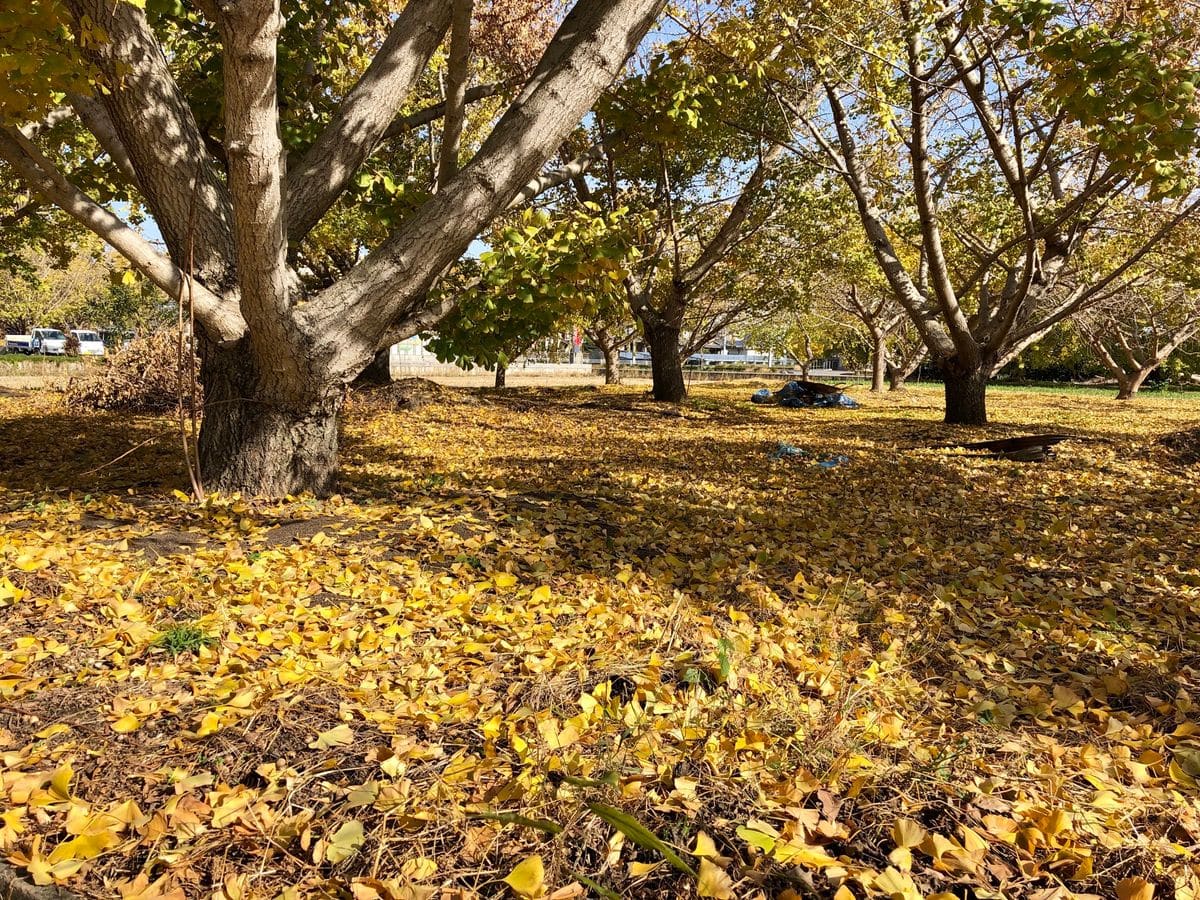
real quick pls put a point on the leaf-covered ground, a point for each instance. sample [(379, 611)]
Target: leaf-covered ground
[(561, 638)]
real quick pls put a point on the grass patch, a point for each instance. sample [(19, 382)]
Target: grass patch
[(183, 638)]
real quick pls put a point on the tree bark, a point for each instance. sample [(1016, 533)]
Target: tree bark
[(666, 370), (966, 402), (612, 365), (254, 443), (501, 376), (878, 362), (1129, 385)]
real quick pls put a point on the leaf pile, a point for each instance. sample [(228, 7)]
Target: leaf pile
[(561, 648)]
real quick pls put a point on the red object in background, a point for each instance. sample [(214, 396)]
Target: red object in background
[(578, 339)]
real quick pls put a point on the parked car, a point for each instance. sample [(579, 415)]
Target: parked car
[(49, 341), (90, 343)]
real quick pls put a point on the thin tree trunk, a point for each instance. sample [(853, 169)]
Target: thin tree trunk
[(253, 443), (878, 362), (501, 376), (612, 365), (966, 401), (666, 369)]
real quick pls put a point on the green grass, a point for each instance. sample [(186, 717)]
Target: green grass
[(14, 358), (183, 638)]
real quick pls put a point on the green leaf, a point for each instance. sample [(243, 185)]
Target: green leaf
[(511, 818), (640, 835)]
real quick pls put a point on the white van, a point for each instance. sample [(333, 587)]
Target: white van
[(90, 343)]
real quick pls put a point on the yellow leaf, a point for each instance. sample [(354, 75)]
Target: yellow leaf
[(937, 846), (339, 736), (60, 782), (1134, 889), (541, 594), (28, 563), (345, 841), (86, 846), (638, 869), (52, 730), (796, 853), (901, 858), (210, 724), (897, 885), (705, 846), (127, 723), (713, 881), (528, 879), (907, 833), (504, 580)]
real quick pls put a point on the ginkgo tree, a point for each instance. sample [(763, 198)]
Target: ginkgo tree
[(682, 144), (1005, 132), (542, 275), (235, 181)]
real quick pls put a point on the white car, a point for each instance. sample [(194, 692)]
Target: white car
[(49, 341), (90, 343)]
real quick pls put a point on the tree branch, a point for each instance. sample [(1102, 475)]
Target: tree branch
[(405, 124), (721, 243), (220, 318), (585, 55), (249, 33), (456, 88), (96, 119), (316, 180), (157, 129)]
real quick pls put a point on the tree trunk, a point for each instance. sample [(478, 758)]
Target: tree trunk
[(612, 365), (255, 444), (896, 378), (666, 370), (501, 375), (1129, 385), (878, 362), (379, 371), (965, 395)]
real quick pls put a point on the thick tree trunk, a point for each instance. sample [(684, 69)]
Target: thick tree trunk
[(878, 362), (666, 370), (1129, 385), (896, 378), (965, 395), (501, 375), (253, 443), (612, 365), (379, 371)]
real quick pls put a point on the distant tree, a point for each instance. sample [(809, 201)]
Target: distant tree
[(611, 330), (984, 146), (1134, 333), (44, 291), (541, 276)]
